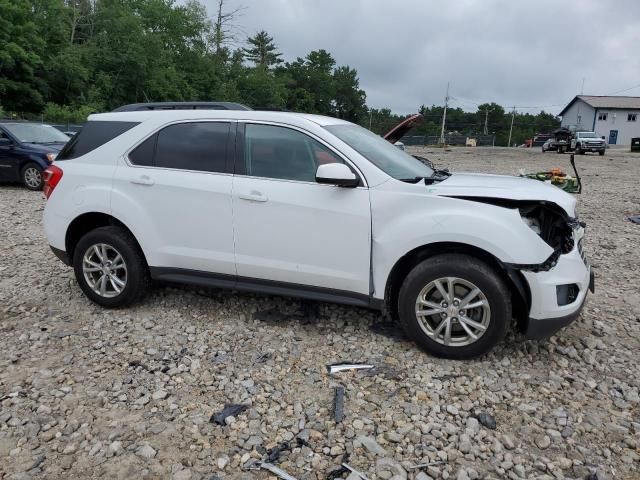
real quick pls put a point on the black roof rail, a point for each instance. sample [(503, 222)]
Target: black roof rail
[(139, 107)]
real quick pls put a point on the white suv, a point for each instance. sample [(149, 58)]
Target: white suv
[(318, 208)]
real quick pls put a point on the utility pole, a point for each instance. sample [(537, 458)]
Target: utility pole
[(513, 114), (486, 120), (444, 115), (370, 117)]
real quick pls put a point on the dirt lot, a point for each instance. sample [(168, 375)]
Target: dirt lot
[(89, 393)]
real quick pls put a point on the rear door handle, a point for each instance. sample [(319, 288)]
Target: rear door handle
[(253, 196), (143, 180)]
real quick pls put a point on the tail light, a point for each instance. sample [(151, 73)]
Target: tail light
[(52, 176)]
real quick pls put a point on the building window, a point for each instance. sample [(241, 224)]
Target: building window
[(632, 117), (602, 117), (579, 119)]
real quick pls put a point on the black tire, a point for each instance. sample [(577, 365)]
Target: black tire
[(137, 272), (31, 176), (463, 267), (579, 150), (601, 153)]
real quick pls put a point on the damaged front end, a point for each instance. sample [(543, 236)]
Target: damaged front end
[(553, 226)]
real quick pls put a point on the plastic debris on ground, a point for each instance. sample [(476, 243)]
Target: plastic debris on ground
[(634, 219), (341, 367), (487, 420), (556, 177), (232, 410), (273, 469), (338, 404)]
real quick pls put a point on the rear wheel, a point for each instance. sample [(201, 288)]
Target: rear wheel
[(454, 306), (32, 176), (110, 267)]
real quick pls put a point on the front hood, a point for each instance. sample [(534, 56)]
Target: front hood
[(503, 187), (47, 148)]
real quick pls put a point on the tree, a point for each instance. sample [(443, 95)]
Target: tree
[(225, 28), (349, 100), (21, 48), (262, 52)]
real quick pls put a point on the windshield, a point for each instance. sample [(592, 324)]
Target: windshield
[(36, 133), (382, 154), (587, 135)]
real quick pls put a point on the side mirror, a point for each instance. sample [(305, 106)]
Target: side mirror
[(5, 142), (336, 174)]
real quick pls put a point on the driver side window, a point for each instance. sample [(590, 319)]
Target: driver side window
[(283, 153)]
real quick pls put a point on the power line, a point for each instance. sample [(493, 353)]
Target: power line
[(624, 90)]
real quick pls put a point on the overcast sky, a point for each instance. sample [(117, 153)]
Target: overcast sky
[(513, 52)]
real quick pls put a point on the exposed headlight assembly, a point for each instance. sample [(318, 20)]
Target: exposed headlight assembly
[(551, 224)]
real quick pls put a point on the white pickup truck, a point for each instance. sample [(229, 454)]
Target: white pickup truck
[(583, 142)]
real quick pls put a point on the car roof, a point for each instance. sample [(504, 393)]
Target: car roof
[(173, 115)]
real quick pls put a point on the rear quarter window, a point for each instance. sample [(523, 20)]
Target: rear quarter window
[(93, 135)]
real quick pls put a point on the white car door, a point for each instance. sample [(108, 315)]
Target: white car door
[(175, 190), (289, 229)]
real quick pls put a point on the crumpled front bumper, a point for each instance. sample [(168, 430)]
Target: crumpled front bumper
[(547, 315)]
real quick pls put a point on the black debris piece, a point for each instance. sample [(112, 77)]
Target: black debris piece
[(38, 461), (230, 410), (635, 219), (487, 420), (263, 357), (337, 473), (272, 315), (218, 358), (138, 363), (273, 454), (302, 442), (338, 404)]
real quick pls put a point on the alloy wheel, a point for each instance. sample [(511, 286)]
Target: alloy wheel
[(453, 311), (32, 177), (105, 270)]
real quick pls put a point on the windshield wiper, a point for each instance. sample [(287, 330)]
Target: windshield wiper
[(436, 176), (412, 179)]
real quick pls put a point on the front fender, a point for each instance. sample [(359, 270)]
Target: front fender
[(404, 221)]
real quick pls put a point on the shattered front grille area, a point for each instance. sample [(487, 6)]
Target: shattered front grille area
[(582, 252)]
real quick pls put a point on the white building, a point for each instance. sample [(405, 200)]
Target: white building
[(617, 119)]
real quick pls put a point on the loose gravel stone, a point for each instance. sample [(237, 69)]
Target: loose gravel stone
[(87, 392)]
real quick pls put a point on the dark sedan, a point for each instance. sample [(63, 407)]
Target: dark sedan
[(26, 149)]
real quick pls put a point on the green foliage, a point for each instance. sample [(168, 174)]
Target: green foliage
[(68, 58), (262, 51), (67, 114)]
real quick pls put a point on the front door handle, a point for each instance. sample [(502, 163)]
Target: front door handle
[(253, 196), (143, 180)]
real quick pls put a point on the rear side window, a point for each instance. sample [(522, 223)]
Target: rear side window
[(143, 153), (93, 135), (199, 146)]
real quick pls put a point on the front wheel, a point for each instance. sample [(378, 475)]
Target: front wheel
[(454, 306), (110, 267), (32, 177), (601, 153)]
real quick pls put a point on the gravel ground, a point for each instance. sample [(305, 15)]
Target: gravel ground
[(89, 393)]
